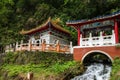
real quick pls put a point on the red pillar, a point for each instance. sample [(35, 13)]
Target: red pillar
[(116, 31), (78, 36)]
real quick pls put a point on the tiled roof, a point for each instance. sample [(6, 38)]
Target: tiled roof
[(95, 19), (53, 22)]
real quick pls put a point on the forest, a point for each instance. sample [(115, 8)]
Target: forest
[(16, 15)]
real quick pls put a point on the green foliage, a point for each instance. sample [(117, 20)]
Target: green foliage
[(16, 15), (45, 63), (9, 58), (116, 66), (115, 69), (15, 70), (58, 67), (26, 57)]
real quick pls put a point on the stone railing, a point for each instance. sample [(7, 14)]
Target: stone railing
[(98, 41), (44, 47)]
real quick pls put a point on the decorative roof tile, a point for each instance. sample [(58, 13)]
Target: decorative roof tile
[(95, 19), (53, 22)]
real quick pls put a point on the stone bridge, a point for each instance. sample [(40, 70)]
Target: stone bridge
[(82, 53)]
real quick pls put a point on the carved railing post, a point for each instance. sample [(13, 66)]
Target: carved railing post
[(16, 46), (21, 43), (29, 45), (43, 45), (71, 47), (113, 36), (81, 40), (58, 46), (101, 39), (90, 39)]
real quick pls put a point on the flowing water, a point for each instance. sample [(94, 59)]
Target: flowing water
[(96, 71)]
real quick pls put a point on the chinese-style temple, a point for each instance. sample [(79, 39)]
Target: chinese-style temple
[(99, 35), (50, 31), (49, 36)]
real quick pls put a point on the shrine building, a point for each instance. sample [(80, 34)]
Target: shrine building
[(49, 36), (50, 31)]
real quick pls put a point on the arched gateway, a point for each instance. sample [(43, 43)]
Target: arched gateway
[(80, 53), (96, 52), (97, 36)]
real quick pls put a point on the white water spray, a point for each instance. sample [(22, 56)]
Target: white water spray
[(95, 71)]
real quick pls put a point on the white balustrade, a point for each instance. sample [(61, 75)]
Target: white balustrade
[(98, 41), (47, 47)]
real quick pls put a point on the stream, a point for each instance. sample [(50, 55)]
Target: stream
[(95, 71)]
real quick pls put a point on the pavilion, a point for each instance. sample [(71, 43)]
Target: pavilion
[(99, 35), (49, 36)]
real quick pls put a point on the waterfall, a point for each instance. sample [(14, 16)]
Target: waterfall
[(95, 71)]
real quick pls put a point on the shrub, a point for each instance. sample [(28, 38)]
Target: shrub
[(115, 69)]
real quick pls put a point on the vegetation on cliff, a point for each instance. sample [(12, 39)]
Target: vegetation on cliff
[(44, 66), (115, 74), (16, 15)]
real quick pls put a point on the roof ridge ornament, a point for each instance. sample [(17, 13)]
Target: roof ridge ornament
[(22, 31), (55, 23), (49, 19)]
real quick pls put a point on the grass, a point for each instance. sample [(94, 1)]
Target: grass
[(14, 70), (43, 65)]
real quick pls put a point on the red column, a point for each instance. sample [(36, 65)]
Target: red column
[(78, 30), (116, 31)]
